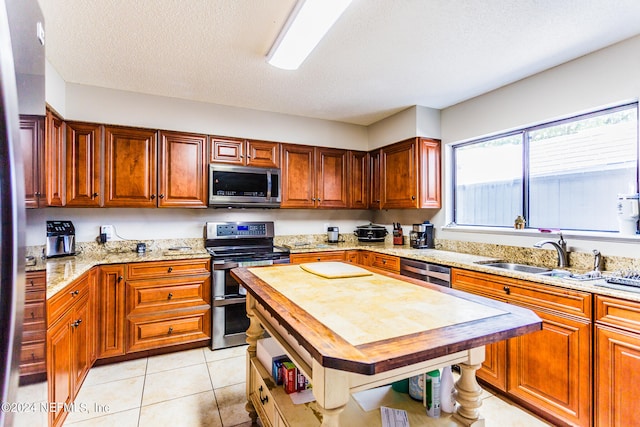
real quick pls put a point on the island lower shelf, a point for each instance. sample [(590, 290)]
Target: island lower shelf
[(276, 409)]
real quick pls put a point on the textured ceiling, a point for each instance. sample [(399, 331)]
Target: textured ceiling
[(381, 57)]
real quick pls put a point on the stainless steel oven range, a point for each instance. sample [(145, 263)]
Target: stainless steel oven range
[(236, 244)]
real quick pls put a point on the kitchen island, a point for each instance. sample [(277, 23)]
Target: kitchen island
[(356, 333)]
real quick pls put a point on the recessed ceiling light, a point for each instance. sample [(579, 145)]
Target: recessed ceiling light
[(308, 22)]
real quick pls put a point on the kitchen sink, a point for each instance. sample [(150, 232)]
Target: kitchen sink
[(518, 267)]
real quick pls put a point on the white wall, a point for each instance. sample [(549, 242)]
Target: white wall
[(603, 78), (414, 121)]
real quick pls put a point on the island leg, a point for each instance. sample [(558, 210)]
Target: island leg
[(254, 333), (468, 391), (331, 390)]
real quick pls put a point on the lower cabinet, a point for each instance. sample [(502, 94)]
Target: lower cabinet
[(111, 310), (617, 356), (34, 330), (317, 256), (70, 345), (549, 371)]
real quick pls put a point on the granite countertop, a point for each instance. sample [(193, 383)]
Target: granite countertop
[(64, 270), (473, 263)]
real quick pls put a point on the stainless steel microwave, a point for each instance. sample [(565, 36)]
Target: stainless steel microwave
[(243, 186)]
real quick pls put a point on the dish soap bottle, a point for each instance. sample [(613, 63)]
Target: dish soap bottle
[(447, 391), (432, 392)]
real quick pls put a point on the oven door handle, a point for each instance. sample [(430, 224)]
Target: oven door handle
[(230, 301)]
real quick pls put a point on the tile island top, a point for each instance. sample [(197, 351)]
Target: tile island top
[(352, 324)]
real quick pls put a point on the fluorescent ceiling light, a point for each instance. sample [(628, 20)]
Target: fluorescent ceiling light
[(308, 22)]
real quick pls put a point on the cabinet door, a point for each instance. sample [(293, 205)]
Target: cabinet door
[(317, 257), (352, 257), (54, 169), (81, 330), (298, 176), (227, 150), (83, 157), (265, 154), (374, 179), (31, 129), (111, 311), (430, 173), (399, 176), (59, 376), (550, 370), (331, 178), (130, 167), (182, 173), (358, 179), (617, 369)]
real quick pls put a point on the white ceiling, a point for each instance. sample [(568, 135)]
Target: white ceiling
[(381, 57)]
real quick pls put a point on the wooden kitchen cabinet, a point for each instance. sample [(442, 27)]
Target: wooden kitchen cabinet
[(34, 330), (358, 173), (55, 165), (317, 257), (385, 262), (83, 164), (408, 175), (244, 152), (32, 145), (617, 361), (548, 371), (182, 170), (111, 311), (352, 257), (69, 350), (130, 167), (168, 303), (313, 177)]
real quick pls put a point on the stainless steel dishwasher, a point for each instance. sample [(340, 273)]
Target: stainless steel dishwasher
[(431, 273)]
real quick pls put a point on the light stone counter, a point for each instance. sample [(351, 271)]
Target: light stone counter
[(64, 270)]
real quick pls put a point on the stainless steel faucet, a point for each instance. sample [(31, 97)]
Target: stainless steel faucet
[(561, 247), (597, 261)]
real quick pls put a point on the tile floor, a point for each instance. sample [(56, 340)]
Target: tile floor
[(193, 388)]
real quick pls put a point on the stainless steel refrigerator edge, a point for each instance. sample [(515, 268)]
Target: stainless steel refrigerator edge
[(21, 92)]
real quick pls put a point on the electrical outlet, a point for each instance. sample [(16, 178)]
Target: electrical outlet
[(108, 230)]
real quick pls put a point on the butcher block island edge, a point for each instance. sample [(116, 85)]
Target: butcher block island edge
[(338, 366)]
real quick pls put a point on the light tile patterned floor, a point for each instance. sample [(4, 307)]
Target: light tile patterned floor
[(193, 388)]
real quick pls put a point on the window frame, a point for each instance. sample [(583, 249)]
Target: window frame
[(524, 134)]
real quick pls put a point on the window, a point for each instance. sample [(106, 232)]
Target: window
[(565, 174)]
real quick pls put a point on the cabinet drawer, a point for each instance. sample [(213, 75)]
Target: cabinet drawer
[(487, 285), (153, 331), (35, 296), (34, 318), (162, 269), (61, 301), (317, 257), (385, 262), (618, 312), (152, 296), (35, 281), (260, 395), (32, 353)]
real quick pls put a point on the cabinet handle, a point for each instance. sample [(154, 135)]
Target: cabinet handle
[(74, 293), (384, 261), (507, 290), (170, 295), (153, 196), (161, 196), (413, 197), (170, 270), (94, 195), (31, 282), (317, 259), (313, 199), (76, 323), (265, 399), (33, 356), (33, 315), (170, 329), (120, 279)]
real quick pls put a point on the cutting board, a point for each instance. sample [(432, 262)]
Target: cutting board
[(334, 269)]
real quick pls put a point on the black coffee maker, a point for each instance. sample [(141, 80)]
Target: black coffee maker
[(421, 236)]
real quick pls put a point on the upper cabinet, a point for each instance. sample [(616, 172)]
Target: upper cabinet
[(314, 177), (130, 167), (358, 173), (32, 144), (182, 170), (409, 175), (374, 178), (55, 166), (83, 159), (244, 152)]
